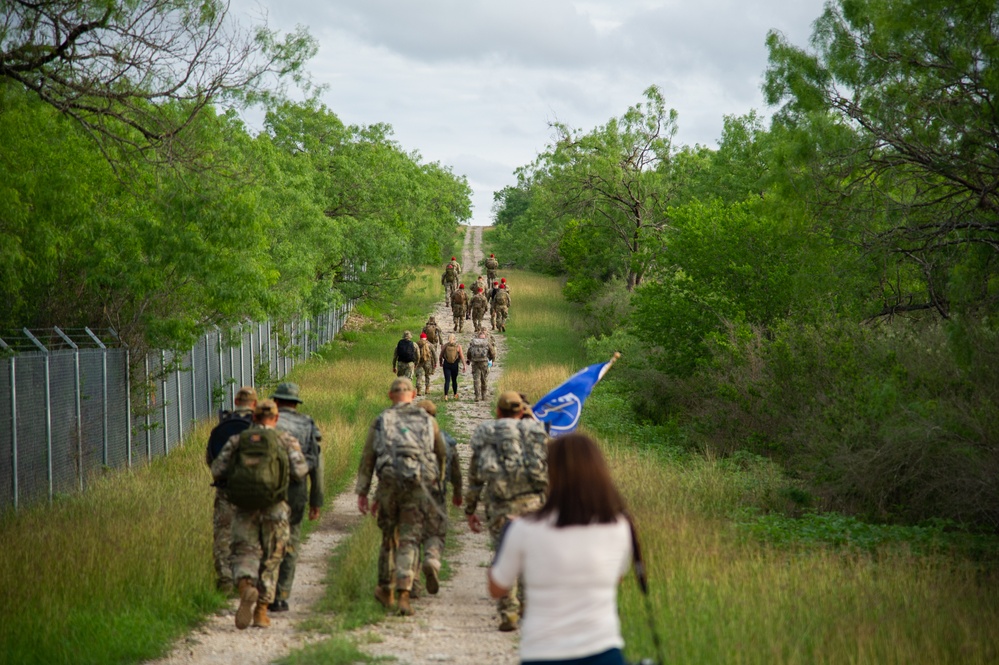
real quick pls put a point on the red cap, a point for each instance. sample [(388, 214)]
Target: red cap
[(461, 286), (495, 283), (492, 256), (502, 280), (452, 258), (502, 286), (423, 335)]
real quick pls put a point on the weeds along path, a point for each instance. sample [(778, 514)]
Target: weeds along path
[(218, 642), (459, 624)]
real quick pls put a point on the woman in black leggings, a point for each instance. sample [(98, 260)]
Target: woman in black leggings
[(452, 359)]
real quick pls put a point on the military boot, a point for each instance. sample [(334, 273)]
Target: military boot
[(260, 618), (385, 595), (430, 568), (405, 609), (247, 599), (509, 622)]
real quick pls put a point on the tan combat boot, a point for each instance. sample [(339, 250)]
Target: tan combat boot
[(405, 609), (260, 618), (247, 599), (385, 595), (430, 570)]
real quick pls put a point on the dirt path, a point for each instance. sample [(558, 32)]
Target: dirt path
[(456, 626), (459, 624)]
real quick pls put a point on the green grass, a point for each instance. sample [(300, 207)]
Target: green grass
[(724, 594), (114, 575)]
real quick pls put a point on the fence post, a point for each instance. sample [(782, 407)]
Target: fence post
[(194, 382), (180, 401), (104, 395), (163, 401), (128, 405), (252, 368), (79, 411), (13, 421), (48, 410), (221, 368), (149, 442), (242, 361), (232, 375)]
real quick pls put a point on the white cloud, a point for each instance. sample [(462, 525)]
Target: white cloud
[(475, 84)]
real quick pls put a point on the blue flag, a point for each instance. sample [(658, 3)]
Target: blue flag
[(562, 407)]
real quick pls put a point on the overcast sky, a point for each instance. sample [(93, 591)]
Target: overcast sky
[(474, 84)]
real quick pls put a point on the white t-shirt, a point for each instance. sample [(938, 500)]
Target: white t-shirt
[(570, 578)]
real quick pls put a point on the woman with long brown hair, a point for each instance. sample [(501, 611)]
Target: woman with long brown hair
[(571, 554)]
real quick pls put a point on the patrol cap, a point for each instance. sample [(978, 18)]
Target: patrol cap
[(429, 407), (246, 394), (510, 401), (401, 384), (265, 409), (287, 392), (407, 335)]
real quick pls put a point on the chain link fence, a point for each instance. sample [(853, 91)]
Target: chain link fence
[(73, 402)]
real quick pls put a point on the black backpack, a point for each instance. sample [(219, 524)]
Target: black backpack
[(405, 351), (234, 423)]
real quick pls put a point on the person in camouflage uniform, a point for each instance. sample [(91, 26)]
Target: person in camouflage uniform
[(435, 513), (479, 306), (505, 495), (501, 303), (492, 265), (480, 354), (434, 335), (449, 278), (259, 537), (459, 302), (401, 366), (491, 296), (400, 507), (426, 364), (245, 401), (308, 491)]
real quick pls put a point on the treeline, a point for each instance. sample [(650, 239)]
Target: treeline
[(133, 196), (821, 289)]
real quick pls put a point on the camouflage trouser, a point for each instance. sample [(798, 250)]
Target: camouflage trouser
[(501, 316), (459, 318), (435, 525), (492, 317), (449, 288), (480, 373), (498, 515), (477, 315), (404, 369), (222, 537), (286, 575), (490, 275), (422, 378), (259, 539), (400, 517)]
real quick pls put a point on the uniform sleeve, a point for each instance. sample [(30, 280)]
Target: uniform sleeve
[(221, 463), (366, 469), (454, 474), (440, 450), (296, 459), (475, 483), (509, 562)]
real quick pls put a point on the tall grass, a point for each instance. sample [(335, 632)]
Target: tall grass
[(720, 598), (115, 574)]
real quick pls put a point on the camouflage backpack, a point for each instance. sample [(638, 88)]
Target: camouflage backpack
[(426, 355), (258, 471), (514, 458), (450, 274), (431, 331), (478, 349), (502, 298), (492, 264), (404, 445)]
